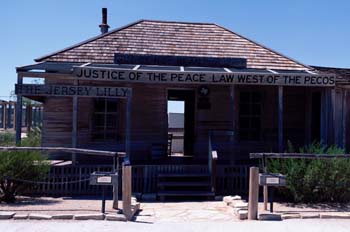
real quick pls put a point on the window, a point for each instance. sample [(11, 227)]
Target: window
[(250, 115), (105, 119)]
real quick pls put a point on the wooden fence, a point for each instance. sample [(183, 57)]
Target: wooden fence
[(59, 178), (229, 179), (32, 115)]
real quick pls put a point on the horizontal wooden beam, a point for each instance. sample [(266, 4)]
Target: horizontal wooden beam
[(46, 75), (296, 156), (65, 149)]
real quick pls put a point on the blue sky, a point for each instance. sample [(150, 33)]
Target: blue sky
[(314, 32)]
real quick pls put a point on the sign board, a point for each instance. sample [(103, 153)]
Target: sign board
[(72, 90), (272, 179), (104, 178), (192, 77), (169, 60)]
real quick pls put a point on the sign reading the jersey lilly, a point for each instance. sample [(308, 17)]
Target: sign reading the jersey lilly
[(71, 90), (262, 78)]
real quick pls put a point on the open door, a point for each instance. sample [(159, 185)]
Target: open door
[(187, 97)]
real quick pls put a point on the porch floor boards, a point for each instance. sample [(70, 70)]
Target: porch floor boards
[(186, 193)]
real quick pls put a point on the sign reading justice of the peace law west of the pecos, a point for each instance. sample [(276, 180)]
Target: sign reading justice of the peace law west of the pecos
[(71, 90), (121, 75)]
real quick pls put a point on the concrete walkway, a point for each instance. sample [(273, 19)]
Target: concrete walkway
[(245, 226)]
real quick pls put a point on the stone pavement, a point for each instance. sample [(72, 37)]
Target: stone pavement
[(151, 212), (158, 212), (215, 211)]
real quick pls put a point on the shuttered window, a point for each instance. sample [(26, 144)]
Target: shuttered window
[(250, 115), (105, 119)]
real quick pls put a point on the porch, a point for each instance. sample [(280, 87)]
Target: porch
[(229, 112)]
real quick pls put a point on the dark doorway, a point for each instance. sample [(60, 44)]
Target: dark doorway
[(188, 98), (316, 116)]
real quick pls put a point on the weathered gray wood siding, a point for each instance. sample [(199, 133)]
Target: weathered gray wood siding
[(149, 120)]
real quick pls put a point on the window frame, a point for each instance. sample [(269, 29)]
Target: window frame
[(102, 133), (250, 116)]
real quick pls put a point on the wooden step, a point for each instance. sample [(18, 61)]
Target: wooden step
[(186, 193), (184, 183)]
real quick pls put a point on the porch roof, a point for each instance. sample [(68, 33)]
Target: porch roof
[(68, 68)]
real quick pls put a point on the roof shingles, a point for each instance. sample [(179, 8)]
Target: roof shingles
[(178, 39)]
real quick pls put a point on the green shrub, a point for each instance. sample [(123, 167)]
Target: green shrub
[(314, 180), (20, 165), (7, 138)]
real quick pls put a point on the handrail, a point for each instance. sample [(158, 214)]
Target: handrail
[(209, 152), (65, 149), (297, 156), (212, 157)]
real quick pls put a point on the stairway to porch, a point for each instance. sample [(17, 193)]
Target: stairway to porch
[(185, 186)]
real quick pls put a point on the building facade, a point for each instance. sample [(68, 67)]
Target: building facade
[(111, 92)]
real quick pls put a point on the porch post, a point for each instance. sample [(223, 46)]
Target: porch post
[(75, 125), (18, 109), (128, 127), (280, 119), (344, 113), (233, 110), (333, 126)]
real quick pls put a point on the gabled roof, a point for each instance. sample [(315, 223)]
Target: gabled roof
[(176, 39)]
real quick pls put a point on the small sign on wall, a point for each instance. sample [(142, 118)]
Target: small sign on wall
[(203, 99), (203, 91)]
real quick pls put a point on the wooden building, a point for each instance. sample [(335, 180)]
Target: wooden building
[(111, 92)]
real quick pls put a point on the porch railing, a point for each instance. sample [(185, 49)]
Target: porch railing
[(230, 179)]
